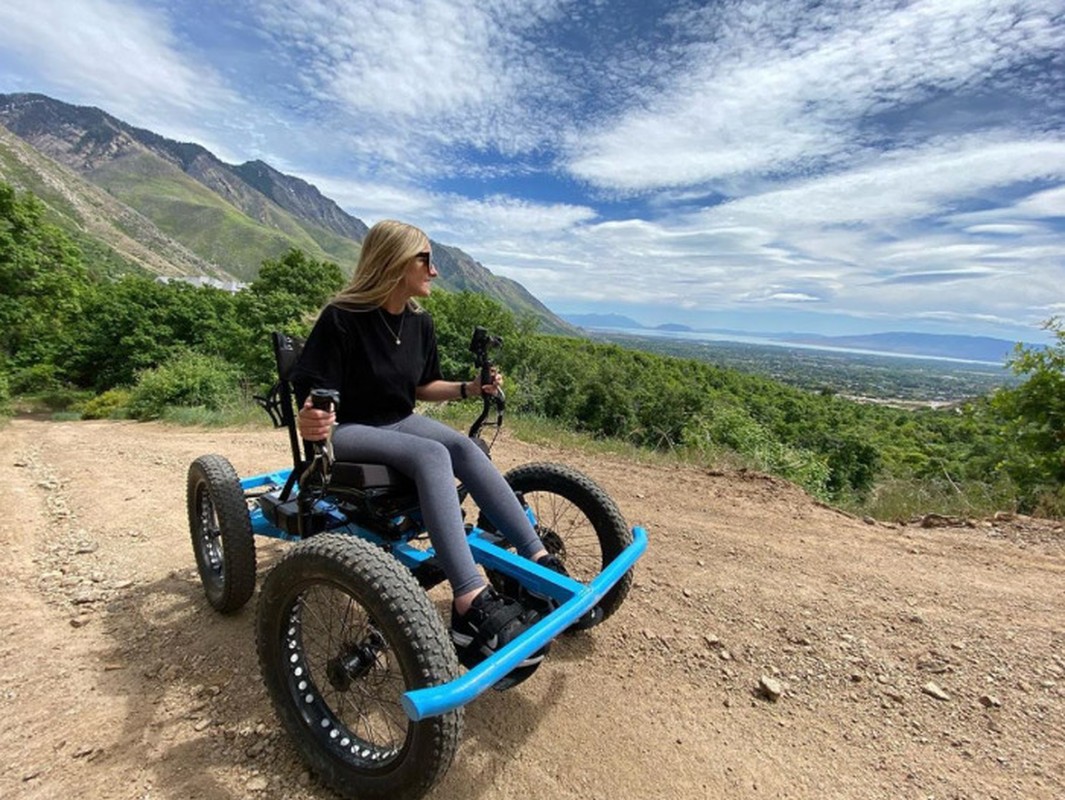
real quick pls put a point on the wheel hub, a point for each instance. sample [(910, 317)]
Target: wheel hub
[(354, 662)]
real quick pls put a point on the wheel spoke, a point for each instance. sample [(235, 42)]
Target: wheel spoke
[(576, 520), (362, 696)]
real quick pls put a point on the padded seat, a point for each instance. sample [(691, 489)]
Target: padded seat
[(355, 475)]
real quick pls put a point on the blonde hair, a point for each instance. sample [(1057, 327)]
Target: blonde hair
[(386, 252)]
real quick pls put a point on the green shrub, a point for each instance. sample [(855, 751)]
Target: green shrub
[(5, 396), (112, 404), (902, 499), (190, 380), (732, 428), (38, 379)]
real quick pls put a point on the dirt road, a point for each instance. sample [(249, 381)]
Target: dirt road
[(912, 662)]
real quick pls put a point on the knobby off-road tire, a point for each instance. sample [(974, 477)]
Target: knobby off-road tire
[(221, 533), (576, 520), (343, 631)]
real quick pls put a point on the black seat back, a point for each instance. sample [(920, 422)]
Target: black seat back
[(281, 406), (287, 351)]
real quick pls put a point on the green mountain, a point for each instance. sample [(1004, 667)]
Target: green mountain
[(114, 236), (137, 200)]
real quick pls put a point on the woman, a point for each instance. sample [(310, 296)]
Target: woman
[(377, 347)]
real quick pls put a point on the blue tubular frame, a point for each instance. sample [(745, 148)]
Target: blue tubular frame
[(434, 700), (575, 599)]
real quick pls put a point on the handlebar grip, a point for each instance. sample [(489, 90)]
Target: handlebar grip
[(325, 399)]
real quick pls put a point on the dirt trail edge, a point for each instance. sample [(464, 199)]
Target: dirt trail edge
[(771, 647)]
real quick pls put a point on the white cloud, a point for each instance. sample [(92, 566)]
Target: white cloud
[(1003, 229), (119, 54), (515, 217), (906, 185), (773, 90), (497, 215), (372, 200), (847, 243), (1049, 203), (407, 76)]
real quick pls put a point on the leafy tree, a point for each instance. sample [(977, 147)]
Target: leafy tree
[(135, 324), (43, 281), (309, 281), (456, 314), (286, 296), (1033, 416)]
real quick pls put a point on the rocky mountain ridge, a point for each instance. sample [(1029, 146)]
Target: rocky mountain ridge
[(174, 208)]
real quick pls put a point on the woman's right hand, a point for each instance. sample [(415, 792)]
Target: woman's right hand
[(314, 423)]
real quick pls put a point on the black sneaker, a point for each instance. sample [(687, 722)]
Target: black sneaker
[(554, 563), (492, 622)]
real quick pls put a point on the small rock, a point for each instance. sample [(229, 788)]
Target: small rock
[(82, 751), (990, 701), (933, 690), (770, 688), (80, 622), (257, 784), (203, 724), (84, 548)]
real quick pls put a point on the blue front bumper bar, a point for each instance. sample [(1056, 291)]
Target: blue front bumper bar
[(435, 700)]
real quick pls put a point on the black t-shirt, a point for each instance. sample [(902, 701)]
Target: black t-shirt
[(355, 353)]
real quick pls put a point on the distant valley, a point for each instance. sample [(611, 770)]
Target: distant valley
[(983, 349)]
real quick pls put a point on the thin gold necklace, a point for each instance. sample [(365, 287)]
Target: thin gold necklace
[(395, 334)]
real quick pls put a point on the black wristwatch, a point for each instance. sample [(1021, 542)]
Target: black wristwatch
[(462, 390)]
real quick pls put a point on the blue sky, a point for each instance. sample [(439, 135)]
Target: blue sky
[(830, 167)]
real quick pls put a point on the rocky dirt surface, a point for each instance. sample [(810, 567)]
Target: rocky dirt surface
[(771, 647)]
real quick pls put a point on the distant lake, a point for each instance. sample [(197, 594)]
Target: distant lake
[(707, 336)]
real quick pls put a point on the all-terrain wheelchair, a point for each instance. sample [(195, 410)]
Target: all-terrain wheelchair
[(355, 657)]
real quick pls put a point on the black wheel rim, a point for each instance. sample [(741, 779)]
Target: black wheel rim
[(209, 540), (344, 678)]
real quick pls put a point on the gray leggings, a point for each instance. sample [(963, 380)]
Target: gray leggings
[(434, 455)]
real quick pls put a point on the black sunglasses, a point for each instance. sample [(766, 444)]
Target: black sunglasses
[(425, 257)]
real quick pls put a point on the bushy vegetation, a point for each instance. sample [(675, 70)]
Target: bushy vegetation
[(189, 380), (134, 347), (5, 396)]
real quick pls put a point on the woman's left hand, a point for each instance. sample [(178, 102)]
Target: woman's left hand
[(476, 387)]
